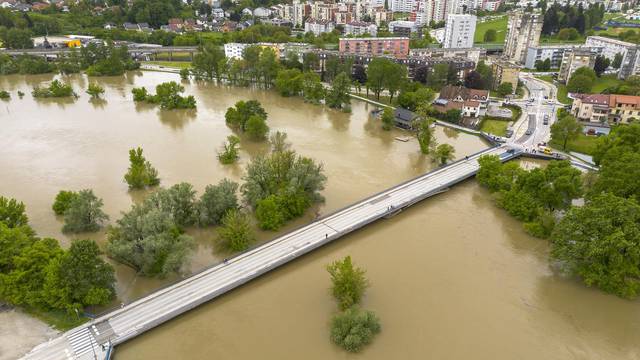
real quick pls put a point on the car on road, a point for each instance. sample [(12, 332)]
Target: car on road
[(545, 121), (528, 132), (546, 150)]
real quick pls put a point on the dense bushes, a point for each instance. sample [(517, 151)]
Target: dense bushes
[(55, 89), (167, 95), (38, 274)]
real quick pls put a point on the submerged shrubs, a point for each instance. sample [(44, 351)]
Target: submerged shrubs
[(141, 173), (55, 89), (167, 95), (353, 328)]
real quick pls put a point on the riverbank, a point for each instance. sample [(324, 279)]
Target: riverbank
[(20, 332)]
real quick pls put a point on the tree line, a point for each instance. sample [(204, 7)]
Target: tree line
[(598, 241), (558, 17)]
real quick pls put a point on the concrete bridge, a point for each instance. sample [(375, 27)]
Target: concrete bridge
[(95, 339)]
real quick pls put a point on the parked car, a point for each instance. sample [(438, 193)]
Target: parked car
[(591, 131)]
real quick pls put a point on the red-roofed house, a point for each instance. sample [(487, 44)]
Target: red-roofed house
[(602, 108)]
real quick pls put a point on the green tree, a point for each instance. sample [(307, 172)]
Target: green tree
[(348, 282), (395, 77), (565, 129), (490, 36), (229, 153), (354, 328), (505, 89), (84, 213), (278, 142), (387, 118), (338, 96), (268, 66), (376, 75), (444, 153), (207, 63), (141, 173), (55, 89), (617, 61), (269, 214), (257, 128), (568, 34), (289, 82), (179, 201), (424, 134), (216, 201), (236, 233), (18, 39), (601, 64), (12, 213), (63, 201), (312, 88), (148, 240), (237, 117), (168, 96), (79, 278), (438, 77), (95, 90), (600, 242), (618, 175)]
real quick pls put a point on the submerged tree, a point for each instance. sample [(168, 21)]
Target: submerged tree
[(216, 201), (424, 134), (229, 153), (354, 328), (349, 282), (95, 90), (140, 174), (236, 232), (444, 153), (84, 213)]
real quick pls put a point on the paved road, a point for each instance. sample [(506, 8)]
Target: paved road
[(534, 109), (93, 339)]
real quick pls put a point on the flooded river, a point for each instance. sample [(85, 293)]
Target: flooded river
[(452, 278)]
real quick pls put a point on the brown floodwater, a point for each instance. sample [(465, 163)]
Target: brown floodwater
[(453, 277), (51, 145)]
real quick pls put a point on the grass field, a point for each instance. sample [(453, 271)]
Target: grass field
[(555, 40), (604, 82), (495, 126), (178, 55), (583, 144), (500, 25), (173, 64), (60, 320)]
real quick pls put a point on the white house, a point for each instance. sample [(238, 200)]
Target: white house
[(360, 28), (318, 27)]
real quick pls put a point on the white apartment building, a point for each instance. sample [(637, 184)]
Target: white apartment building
[(553, 53), (523, 31), (402, 5), (459, 31), (234, 50), (318, 27), (610, 47), (360, 28)]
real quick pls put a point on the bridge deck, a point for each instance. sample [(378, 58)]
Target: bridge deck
[(86, 341)]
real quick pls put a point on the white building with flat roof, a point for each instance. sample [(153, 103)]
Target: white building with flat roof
[(459, 31), (610, 47)]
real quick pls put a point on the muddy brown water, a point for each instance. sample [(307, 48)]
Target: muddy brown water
[(453, 277)]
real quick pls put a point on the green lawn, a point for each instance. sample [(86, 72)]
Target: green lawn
[(500, 25), (555, 40), (173, 64), (61, 320), (604, 82), (178, 55), (584, 144), (495, 126)]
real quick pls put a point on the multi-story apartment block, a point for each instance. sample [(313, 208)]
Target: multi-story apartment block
[(630, 63), (402, 27), (343, 17), (505, 72), (553, 53), (523, 31), (397, 47), (610, 47), (473, 54), (402, 5), (318, 27), (603, 108), (574, 59), (322, 11), (360, 28), (459, 31)]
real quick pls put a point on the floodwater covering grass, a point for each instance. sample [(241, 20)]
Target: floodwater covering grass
[(173, 64), (499, 25), (585, 144)]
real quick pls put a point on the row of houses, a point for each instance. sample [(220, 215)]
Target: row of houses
[(606, 108)]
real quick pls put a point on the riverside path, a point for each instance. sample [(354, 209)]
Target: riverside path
[(95, 339)]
